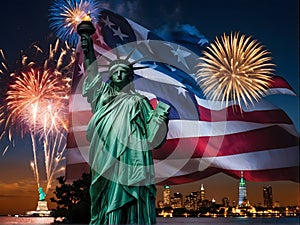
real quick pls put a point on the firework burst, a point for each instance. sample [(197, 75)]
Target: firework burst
[(38, 93), (65, 15), (36, 101), (235, 69)]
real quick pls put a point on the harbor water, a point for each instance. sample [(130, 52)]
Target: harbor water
[(173, 221)]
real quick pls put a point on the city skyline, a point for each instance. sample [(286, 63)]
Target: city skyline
[(195, 204), (254, 190)]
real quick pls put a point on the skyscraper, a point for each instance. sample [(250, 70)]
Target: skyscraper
[(191, 201), (177, 201), (242, 190), (268, 196), (167, 195), (202, 193)]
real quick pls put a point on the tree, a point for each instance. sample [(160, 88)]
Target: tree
[(73, 200)]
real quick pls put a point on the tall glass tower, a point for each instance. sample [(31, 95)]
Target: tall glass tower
[(202, 193), (242, 190), (166, 195)]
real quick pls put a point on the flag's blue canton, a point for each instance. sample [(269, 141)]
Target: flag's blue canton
[(115, 29), (183, 103), (187, 80), (184, 37), (172, 53)]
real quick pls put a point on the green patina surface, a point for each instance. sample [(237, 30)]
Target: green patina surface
[(123, 179)]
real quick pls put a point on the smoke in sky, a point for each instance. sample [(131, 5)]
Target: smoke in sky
[(142, 11), (165, 31), (126, 8)]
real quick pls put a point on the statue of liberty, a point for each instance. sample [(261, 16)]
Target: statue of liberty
[(42, 194), (120, 133)]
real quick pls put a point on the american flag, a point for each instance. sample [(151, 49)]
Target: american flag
[(204, 137)]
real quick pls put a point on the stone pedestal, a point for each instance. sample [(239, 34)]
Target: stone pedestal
[(42, 206), (41, 210)]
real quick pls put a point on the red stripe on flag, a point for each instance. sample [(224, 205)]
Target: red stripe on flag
[(290, 173), (80, 118), (77, 139), (230, 114), (212, 146), (279, 82), (244, 142), (190, 177)]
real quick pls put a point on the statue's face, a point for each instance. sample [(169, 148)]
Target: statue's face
[(121, 77)]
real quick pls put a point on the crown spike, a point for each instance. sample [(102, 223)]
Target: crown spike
[(117, 53), (130, 53), (102, 65), (107, 59)]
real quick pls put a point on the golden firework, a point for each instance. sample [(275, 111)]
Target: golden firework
[(236, 69)]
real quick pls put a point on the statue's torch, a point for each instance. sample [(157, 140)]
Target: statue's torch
[(86, 27)]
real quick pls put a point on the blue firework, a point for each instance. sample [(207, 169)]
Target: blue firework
[(65, 15)]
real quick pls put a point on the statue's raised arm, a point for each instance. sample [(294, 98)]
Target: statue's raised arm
[(85, 29)]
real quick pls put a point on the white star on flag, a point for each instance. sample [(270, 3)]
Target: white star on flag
[(181, 90), (100, 37), (154, 65), (202, 41), (181, 55), (119, 33), (108, 23), (171, 67), (81, 69)]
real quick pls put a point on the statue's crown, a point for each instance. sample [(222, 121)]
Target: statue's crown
[(120, 62), (123, 62)]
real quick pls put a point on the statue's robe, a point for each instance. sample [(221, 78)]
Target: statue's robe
[(123, 179)]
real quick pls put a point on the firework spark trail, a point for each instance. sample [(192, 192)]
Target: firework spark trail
[(35, 164), (37, 100), (52, 146), (3, 113), (54, 157), (32, 165), (235, 68)]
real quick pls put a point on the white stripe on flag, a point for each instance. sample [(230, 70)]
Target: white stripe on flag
[(79, 103), (140, 32), (215, 105), (285, 91), (155, 75), (78, 155), (261, 160), (190, 128)]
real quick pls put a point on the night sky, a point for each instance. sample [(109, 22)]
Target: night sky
[(274, 23)]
